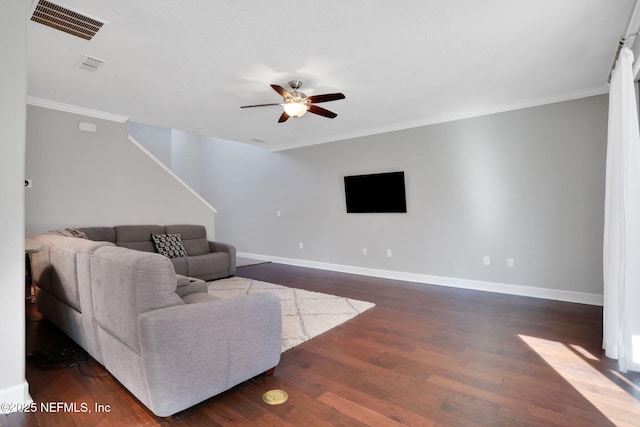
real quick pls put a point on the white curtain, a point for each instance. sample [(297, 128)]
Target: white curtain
[(621, 248)]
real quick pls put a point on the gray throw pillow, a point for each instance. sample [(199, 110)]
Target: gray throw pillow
[(169, 245)]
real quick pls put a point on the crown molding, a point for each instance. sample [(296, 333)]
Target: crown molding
[(68, 108)]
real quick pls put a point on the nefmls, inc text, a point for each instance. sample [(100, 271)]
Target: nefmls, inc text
[(73, 407)]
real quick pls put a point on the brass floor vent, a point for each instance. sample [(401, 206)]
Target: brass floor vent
[(61, 18)]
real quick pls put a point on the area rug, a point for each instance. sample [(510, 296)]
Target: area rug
[(305, 314)]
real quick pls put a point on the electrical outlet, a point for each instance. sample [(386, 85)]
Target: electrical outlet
[(301, 245), (389, 254), (510, 262), (364, 251), (278, 213), (28, 183), (486, 260)]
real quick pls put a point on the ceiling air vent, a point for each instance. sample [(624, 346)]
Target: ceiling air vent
[(89, 63), (64, 19)]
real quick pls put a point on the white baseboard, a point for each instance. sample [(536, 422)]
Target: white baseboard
[(478, 285), (13, 397)]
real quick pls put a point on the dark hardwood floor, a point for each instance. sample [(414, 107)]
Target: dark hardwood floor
[(425, 355)]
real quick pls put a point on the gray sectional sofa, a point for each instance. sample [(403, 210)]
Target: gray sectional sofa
[(169, 342), (206, 260)]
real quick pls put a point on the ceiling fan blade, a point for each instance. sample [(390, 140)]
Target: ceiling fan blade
[(321, 111), (325, 98), (282, 91), (283, 117), (258, 105)]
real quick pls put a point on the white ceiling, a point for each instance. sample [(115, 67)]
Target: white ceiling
[(190, 64)]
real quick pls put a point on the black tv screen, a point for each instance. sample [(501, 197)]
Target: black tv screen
[(375, 193)]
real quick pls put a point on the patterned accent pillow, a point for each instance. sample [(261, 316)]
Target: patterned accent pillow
[(169, 245)]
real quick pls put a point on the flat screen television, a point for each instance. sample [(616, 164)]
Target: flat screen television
[(375, 193)]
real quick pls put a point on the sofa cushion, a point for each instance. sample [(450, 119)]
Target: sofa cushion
[(194, 238), (169, 245), (100, 234), (204, 265), (197, 297), (189, 285), (127, 283), (56, 267), (180, 265), (137, 237)]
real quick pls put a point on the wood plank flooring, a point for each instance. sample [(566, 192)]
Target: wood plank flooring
[(424, 356)]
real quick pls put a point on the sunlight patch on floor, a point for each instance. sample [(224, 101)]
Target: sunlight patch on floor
[(569, 361), (583, 352), (624, 379)]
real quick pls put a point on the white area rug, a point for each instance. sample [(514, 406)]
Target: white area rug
[(305, 314)]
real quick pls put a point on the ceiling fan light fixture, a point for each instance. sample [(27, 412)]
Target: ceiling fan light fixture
[(296, 104), (295, 109)]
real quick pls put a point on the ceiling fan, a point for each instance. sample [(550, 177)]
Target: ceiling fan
[(296, 104)]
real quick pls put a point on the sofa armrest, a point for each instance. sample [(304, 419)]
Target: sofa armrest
[(229, 249), (189, 285), (195, 351)]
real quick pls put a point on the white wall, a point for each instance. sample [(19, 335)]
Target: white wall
[(186, 158), (178, 150), (525, 184), (13, 87), (155, 139), (84, 179)]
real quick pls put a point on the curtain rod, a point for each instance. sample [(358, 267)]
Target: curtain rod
[(621, 43), (627, 40)]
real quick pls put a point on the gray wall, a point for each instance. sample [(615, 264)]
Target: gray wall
[(525, 184), (178, 150), (13, 90), (186, 158), (102, 178), (155, 139)]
